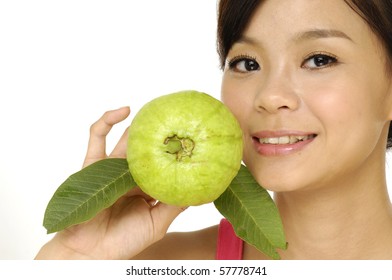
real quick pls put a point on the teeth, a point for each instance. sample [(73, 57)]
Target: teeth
[(284, 139)]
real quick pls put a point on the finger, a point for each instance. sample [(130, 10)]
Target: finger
[(120, 150), (99, 130), (163, 215), (137, 191)]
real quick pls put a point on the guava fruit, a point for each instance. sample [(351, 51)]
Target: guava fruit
[(184, 148)]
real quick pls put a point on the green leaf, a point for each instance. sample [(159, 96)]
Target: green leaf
[(87, 192), (252, 213), (248, 206)]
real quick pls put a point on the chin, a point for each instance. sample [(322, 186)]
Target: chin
[(278, 182), (280, 187), (283, 174)]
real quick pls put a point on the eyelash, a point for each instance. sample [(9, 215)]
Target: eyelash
[(332, 60), (232, 63)]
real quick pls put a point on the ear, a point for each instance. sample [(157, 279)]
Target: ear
[(389, 99)]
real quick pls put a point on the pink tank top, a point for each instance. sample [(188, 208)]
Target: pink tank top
[(229, 246)]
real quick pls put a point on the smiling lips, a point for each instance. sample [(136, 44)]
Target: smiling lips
[(285, 139), (268, 144)]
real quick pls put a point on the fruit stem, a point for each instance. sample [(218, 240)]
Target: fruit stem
[(173, 146), (181, 147)]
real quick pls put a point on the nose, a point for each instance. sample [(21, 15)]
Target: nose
[(276, 94)]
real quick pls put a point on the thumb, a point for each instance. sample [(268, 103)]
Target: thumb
[(163, 215)]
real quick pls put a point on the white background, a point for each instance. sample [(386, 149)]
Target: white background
[(62, 64)]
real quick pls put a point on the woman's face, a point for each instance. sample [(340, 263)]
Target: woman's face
[(307, 82)]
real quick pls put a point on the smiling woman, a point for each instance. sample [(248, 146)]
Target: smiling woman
[(296, 96), (309, 83)]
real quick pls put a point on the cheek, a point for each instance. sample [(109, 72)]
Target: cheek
[(236, 99), (344, 103), (350, 117), (337, 100), (332, 107)]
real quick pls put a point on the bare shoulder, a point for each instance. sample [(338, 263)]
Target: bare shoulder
[(195, 245)]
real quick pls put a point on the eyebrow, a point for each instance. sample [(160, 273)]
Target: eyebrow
[(321, 33), (312, 34)]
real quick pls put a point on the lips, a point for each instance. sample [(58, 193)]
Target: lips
[(288, 139), (277, 143)]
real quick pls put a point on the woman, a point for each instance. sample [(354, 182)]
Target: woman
[(310, 83)]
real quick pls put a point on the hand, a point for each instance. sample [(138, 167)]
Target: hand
[(121, 231)]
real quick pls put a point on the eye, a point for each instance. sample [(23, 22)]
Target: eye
[(243, 64), (319, 60)]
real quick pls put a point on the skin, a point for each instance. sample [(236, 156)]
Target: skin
[(122, 231), (337, 180), (330, 84)]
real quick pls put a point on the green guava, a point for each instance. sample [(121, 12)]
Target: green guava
[(184, 148)]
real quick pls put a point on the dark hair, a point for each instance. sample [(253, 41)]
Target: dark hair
[(234, 16)]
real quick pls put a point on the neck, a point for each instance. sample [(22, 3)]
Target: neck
[(349, 220)]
